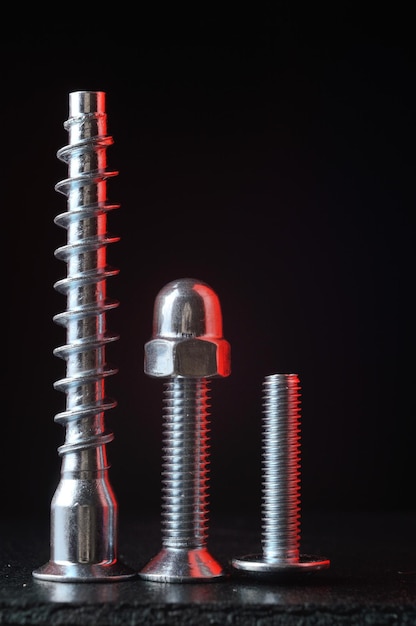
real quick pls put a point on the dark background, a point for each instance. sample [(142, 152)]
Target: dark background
[(267, 153)]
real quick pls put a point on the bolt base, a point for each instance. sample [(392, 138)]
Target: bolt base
[(179, 565), (257, 565), (83, 572)]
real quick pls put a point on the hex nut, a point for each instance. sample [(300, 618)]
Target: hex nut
[(187, 357)]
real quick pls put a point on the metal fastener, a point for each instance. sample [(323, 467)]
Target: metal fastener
[(280, 555), (84, 510), (188, 349)]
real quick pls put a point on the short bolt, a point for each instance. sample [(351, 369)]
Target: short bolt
[(281, 486), (187, 348)]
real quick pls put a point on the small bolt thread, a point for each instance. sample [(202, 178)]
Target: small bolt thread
[(185, 463), (281, 462)]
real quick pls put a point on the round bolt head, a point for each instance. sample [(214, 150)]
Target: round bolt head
[(256, 565)]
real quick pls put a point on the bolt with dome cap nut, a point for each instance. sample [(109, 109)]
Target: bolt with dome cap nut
[(187, 349)]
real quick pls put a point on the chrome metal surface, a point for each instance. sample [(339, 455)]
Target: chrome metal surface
[(188, 348), (187, 333), (281, 485), (279, 568), (84, 512)]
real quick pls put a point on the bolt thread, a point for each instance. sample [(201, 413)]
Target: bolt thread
[(281, 462), (185, 463), (87, 271)]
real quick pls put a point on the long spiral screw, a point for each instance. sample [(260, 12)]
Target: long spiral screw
[(280, 555), (187, 348), (84, 509)]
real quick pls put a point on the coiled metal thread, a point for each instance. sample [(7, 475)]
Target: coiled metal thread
[(281, 462), (185, 463), (87, 271), (84, 520)]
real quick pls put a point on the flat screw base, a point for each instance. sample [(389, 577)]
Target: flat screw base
[(256, 565), (180, 565), (83, 572)]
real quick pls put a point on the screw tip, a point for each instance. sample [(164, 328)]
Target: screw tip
[(81, 102)]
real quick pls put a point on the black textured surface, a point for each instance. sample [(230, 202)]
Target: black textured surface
[(372, 578)]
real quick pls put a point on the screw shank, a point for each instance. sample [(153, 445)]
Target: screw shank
[(281, 458), (185, 463)]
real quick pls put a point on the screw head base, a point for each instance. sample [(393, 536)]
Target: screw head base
[(83, 572), (179, 565), (256, 565)]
